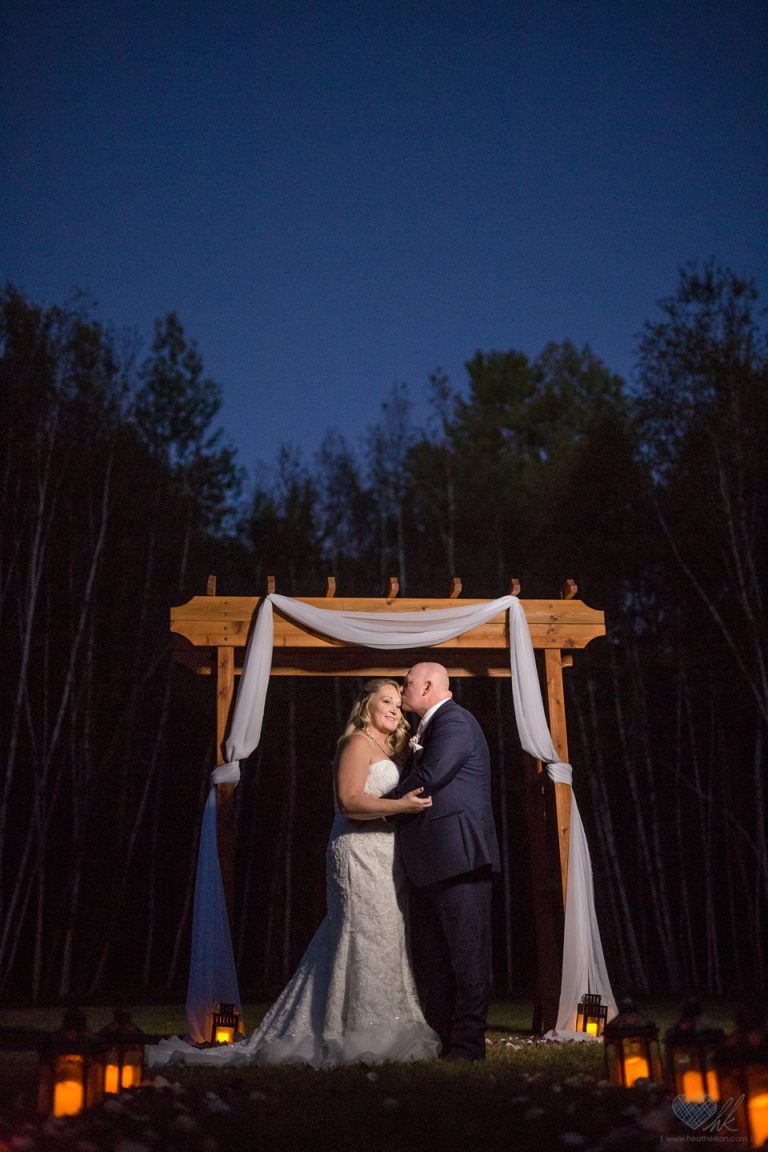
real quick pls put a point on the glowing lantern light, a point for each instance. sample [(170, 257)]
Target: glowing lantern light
[(591, 1014), (226, 1024), (71, 1068), (124, 1053), (690, 1049), (631, 1048), (742, 1067)]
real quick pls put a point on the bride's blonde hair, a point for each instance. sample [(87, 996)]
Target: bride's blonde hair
[(360, 715)]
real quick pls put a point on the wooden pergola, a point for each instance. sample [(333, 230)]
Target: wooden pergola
[(210, 633)]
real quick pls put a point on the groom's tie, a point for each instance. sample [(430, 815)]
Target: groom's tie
[(415, 741)]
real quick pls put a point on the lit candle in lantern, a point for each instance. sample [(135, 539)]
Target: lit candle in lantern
[(124, 1053), (115, 1078), (691, 1045), (741, 1064), (635, 1068), (757, 1107), (693, 1085), (225, 1025), (71, 1075), (111, 1078), (131, 1076), (631, 1048), (591, 1014), (67, 1097)]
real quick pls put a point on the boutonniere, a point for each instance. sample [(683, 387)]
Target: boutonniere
[(414, 745)]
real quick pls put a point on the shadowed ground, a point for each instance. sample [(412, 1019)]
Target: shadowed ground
[(527, 1095)]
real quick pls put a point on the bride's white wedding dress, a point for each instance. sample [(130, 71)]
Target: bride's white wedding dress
[(352, 997)]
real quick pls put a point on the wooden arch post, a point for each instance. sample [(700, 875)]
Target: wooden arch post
[(210, 633)]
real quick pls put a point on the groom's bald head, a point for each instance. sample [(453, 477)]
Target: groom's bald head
[(424, 685)]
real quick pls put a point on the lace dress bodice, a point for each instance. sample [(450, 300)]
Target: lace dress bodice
[(382, 778)]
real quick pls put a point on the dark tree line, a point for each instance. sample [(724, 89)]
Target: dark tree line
[(119, 497)]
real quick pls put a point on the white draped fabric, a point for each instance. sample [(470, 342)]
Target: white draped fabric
[(212, 972), (212, 961)]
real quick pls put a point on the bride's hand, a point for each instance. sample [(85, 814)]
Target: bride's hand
[(415, 802)]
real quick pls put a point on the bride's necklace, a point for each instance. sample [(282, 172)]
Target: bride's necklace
[(387, 752)]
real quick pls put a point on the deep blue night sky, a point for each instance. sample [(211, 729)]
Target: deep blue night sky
[(336, 197)]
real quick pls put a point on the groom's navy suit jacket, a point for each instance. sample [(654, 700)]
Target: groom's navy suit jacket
[(457, 834)]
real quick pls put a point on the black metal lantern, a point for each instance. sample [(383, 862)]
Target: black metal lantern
[(631, 1048), (690, 1048), (71, 1068), (124, 1053), (742, 1068), (226, 1024), (591, 1014)]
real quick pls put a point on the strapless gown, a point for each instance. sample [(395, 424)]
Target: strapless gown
[(352, 997)]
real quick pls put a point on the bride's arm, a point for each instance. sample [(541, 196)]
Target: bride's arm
[(351, 774)]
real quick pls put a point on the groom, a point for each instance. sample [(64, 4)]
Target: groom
[(449, 852)]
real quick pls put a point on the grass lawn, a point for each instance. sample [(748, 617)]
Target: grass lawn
[(527, 1095)]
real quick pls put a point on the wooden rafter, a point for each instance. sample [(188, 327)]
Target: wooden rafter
[(206, 623)]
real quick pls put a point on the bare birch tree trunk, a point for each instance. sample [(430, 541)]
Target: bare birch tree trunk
[(761, 842), (14, 920), (646, 813), (151, 906), (44, 512), (152, 772), (623, 914), (289, 824), (504, 809), (686, 751), (711, 927)]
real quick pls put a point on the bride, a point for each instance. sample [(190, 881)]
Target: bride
[(352, 997)]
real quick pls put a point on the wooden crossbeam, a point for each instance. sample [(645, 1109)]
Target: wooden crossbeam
[(205, 623)]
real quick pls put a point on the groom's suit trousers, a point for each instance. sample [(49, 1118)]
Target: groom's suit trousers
[(450, 937)]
